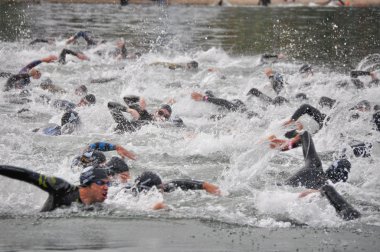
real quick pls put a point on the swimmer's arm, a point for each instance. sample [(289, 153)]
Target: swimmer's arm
[(307, 192), (217, 101), (159, 205), (79, 55), (103, 146), (35, 63), (83, 35), (48, 184), (189, 184)]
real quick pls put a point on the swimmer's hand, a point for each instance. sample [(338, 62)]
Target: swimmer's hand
[(125, 153), (81, 56), (134, 113), (49, 59), (307, 192), (197, 96), (159, 205), (210, 188), (70, 40)]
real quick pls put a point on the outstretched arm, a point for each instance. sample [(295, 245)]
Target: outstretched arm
[(309, 110), (46, 183), (189, 184), (103, 146), (217, 101), (35, 63), (83, 35)]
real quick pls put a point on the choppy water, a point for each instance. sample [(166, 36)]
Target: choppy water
[(226, 152)]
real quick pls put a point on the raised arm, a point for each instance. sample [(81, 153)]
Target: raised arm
[(84, 35), (309, 110), (46, 183), (62, 55)]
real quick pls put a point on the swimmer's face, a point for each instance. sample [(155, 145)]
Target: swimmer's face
[(99, 190), (162, 115), (124, 177), (36, 74)]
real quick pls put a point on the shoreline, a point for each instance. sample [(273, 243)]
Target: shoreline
[(118, 234), (295, 3)]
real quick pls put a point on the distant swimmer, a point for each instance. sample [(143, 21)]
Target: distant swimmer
[(93, 186), (87, 100), (22, 79), (191, 65), (93, 155), (235, 105), (70, 121), (313, 177), (271, 58), (136, 108), (360, 84)]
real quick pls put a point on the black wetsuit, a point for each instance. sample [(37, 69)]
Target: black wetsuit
[(61, 193), (62, 55), (276, 101), (277, 82), (312, 176), (309, 110), (184, 184), (235, 105), (124, 125), (84, 35), (22, 79)]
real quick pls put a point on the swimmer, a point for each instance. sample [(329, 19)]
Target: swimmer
[(87, 100), (69, 123), (279, 100), (192, 65), (234, 105), (313, 177), (93, 155), (22, 79), (64, 52), (93, 186), (136, 108)]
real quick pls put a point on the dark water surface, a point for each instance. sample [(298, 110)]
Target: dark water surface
[(338, 37)]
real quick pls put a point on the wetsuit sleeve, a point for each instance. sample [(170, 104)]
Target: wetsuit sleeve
[(311, 111), (39, 41), (46, 183), (30, 66), (259, 94), (184, 184), (102, 146), (309, 153), (269, 56), (221, 102), (85, 36), (343, 208), (62, 55)]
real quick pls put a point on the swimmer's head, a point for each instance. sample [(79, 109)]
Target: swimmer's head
[(362, 106), (131, 99), (339, 170), (164, 112), (91, 175), (306, 68), (92, 158), (34, 73), (301, 96), (147, 180), (268, 72), (326, 102), (87, 100), (192, 65), (70, 117), (116, 165), (81, 90)]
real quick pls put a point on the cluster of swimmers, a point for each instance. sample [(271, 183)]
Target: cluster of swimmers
[(97, 172)]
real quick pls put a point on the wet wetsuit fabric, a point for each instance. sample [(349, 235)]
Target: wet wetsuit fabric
[(362, 149), (260, 95), (343, 208), (61, 193), (184, 184), (102, 146), (39, 41), (22, 79), (62, 55), (64, 105), (124, 125), (52, 130), (311, 111), (17, 81), (85, 36), (311, 175), (5, 75), (221, 102)]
